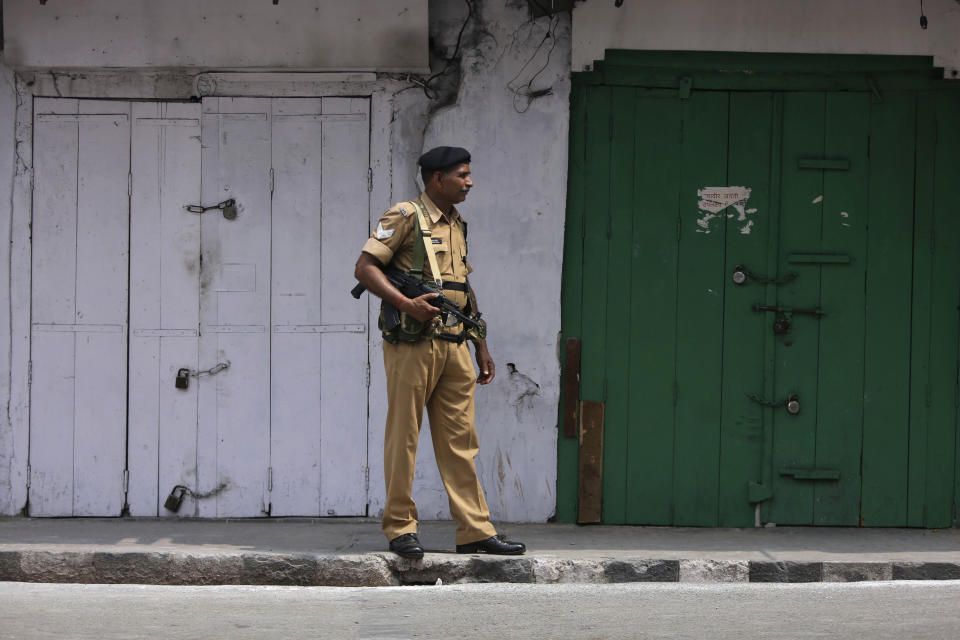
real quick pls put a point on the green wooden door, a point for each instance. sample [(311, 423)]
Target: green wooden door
[(730, 251)]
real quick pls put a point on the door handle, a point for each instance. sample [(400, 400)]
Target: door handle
[(741, 274), (787, 311)]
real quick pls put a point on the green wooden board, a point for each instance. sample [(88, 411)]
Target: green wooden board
[(747, 237), (886, 396), (596, 246), (618, 282), (920, 321), (945, 302), (700, 283), (801, 213), (653, 310), (844, 210)]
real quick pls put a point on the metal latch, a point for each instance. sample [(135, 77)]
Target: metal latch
[(811, 474), (741, 274), (228, 207), (184, 374), (792, 403), (784, 315)]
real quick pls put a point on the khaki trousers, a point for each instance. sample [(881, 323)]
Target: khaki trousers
[(438, 375)]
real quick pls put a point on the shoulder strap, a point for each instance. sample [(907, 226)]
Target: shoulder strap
[(463, 229), (422, 245)]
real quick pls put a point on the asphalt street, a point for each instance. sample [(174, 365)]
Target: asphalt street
[(876, 610)]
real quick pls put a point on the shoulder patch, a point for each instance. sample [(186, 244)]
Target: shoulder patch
[(404, 210)]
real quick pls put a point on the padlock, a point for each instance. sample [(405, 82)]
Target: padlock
[(175, 499), (793, 405), (230, 209), (183, 379), (739, 275), (781, 325)]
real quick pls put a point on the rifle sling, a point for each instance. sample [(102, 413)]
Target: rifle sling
[(425, 234)]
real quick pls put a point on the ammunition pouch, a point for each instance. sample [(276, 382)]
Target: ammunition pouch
[(400, 327)]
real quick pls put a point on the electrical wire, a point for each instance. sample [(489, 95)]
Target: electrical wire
[(525, 91), (450, 62)]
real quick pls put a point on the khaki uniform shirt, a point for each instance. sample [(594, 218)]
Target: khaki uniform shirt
[(392, 242)]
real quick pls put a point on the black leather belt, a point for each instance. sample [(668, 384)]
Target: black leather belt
[(455, 286), (453, 337)]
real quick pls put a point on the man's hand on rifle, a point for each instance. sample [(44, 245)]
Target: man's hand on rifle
[(420, 308)]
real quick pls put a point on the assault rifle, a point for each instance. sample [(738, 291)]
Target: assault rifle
[(413, 287)]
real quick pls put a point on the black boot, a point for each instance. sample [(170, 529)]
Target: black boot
[(496, 545), (407, 546)]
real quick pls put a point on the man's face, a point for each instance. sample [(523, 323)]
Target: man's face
[(455, 183)]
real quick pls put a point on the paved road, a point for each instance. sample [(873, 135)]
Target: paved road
[(877, 610)]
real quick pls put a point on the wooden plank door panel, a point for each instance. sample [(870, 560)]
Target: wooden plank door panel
[(79, 308), (940, 448), (318, 380), (618, 322), (746, 333), (700, 284), (844, 210), (345, 206), (298, 224), (886, 394), (653, 308), (797, 351), (164, 309), (233, 449), (53, 301)]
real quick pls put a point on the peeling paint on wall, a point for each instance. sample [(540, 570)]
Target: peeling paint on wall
[(715, 200)]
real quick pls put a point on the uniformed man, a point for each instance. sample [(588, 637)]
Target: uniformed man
[(427, 363)]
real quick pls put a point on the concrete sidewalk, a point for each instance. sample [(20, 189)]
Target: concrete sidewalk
[(352, 552)]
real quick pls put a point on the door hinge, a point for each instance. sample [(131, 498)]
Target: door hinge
[(270, 479), (369, 179), (29, 373), (29, 476), (130, 184), (366, 376), (126, 480), (271, 179), (366, 477), (31, 178)]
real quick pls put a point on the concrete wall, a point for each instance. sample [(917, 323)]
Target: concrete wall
[(482, 101), (304, 34), (811, 26), (516, 217), (11, 447)]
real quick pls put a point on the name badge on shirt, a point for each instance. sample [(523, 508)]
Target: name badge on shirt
[(436, 240)]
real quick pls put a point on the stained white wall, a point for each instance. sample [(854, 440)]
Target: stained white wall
[(516, 217), (811, 26), (387, 35)]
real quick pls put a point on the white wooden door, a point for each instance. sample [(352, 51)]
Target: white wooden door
[(283, 430), (233, 445), (319, 393), (164, 303), (78, 349)]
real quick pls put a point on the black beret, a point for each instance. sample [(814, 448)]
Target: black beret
[(443, 157)]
